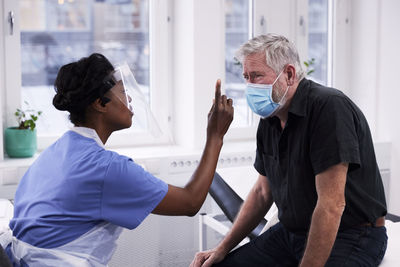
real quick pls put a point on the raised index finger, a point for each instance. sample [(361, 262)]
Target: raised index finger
[(217, 91)]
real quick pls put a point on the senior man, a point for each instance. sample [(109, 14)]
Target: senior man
[(315, 160)]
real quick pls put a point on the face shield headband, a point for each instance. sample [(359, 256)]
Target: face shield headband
[(125, 88)]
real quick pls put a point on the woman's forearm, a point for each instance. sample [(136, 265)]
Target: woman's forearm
[(202, 178)]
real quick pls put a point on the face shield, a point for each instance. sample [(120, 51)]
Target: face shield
[(126, 89)]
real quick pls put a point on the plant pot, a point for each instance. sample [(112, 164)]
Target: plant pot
[(20, 143)]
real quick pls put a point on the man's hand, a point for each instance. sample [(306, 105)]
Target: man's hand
[(207, 258), (220, 115)]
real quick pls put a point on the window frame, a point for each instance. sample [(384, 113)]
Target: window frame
[(249, 131), (160, 77)]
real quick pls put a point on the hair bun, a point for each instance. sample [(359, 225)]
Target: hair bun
[(60, 102), (80, 83)]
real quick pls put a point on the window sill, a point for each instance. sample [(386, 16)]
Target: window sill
[(149, 153)]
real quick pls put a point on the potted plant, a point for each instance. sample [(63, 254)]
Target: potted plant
[(20, 142)]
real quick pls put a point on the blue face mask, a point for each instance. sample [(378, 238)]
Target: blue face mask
[(259, 98)]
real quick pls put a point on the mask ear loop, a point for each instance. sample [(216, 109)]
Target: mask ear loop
[(277, 78), (283, 97), (273, 88), (287, 89)]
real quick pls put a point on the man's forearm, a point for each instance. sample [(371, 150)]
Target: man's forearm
[(322, 236), (251, 213)]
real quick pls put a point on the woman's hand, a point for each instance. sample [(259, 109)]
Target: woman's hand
[(220, 115), (188, 200)]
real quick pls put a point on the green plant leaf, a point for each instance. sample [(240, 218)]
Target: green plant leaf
[(23, 115), (308, 65)]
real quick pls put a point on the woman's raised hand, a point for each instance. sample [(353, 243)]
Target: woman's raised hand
[(220, 115)]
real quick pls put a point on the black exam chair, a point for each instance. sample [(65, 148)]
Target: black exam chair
[(229, 202)]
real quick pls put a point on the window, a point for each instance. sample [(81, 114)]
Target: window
[(319, 34), (238, 25), (56, 32)]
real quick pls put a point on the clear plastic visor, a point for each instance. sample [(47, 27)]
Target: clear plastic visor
[(127, 90), (124, 86)]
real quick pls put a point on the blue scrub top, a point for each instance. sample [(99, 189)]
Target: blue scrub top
[(76, 184)]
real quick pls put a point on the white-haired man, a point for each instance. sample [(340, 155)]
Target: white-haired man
[(315, 160)]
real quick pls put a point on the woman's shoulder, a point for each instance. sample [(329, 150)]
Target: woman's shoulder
[(75, 146)]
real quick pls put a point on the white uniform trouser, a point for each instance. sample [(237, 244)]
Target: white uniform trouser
[(94, 248)]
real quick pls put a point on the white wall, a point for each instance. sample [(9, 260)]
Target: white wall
[(375, 40), (388, 127), (364, 59), (198, 61)]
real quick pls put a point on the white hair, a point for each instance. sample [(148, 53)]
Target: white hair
[(279, 52)]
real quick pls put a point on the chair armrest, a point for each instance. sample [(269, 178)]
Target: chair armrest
[(392, 217)]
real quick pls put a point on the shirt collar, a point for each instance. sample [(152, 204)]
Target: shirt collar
[(89, 133), (298, 106)]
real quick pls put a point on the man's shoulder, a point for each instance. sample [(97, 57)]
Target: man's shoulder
[(329, 100), (321, 92), (319, 96)]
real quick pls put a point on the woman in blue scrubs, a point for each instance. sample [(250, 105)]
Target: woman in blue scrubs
[(74, 200)]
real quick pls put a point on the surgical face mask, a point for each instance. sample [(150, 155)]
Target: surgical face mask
[(259, 98)]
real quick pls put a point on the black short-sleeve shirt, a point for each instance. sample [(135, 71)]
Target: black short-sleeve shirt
[(324, 128)]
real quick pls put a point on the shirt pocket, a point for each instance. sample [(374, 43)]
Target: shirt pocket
[(271, 166)]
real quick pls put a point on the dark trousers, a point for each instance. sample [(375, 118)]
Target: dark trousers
[(358, 246)]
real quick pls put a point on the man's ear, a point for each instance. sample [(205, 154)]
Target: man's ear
[(99, 105), (291, 74)]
